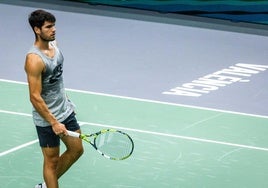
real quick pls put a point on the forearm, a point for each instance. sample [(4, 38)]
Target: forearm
[(41, 107)]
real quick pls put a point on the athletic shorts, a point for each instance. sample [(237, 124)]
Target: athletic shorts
[(46, 136)]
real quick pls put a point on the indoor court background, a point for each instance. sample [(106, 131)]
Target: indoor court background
[(117, 66)]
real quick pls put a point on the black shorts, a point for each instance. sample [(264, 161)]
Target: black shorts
[(46, 136)]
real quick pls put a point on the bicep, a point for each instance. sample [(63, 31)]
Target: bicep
[(34, 68)]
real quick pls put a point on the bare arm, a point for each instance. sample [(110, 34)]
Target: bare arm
[(34, 68)]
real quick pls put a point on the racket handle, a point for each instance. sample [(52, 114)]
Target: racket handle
[(73, 134)]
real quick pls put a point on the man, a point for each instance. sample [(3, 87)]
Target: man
[(53, 113)]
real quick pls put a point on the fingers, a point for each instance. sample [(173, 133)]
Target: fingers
[(59, 129)]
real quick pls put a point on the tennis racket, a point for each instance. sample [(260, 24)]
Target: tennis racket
[(110, 143)]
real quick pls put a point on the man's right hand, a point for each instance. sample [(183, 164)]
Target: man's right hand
[(59, 129)]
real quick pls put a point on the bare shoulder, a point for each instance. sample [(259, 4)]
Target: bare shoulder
[(34, 63)]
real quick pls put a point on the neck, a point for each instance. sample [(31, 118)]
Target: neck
[(42, 46)]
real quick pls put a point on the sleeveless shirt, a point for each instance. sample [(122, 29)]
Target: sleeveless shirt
[(53, 92)]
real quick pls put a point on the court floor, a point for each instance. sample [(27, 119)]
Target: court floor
[(174, 146)]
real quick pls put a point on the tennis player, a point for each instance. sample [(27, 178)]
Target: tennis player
[(53, 112)]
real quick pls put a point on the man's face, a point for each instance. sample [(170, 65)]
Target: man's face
[(47, 31)]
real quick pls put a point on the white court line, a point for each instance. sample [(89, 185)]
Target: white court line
[(178, 136), (15, 113), (145, 132), (147, 100), (18, 147), (13, 81)]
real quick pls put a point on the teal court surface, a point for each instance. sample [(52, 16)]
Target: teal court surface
[(175, 146)]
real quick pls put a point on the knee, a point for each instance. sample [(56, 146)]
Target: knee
[(51, 162), (77, 152)]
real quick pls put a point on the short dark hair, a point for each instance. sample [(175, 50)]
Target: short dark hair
[(38, 17)]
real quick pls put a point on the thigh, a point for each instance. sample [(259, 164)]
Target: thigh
[(51, 154), (72, 143)]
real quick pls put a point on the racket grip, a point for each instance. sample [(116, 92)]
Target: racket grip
[(73, 134)]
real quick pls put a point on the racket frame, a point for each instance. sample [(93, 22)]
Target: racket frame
[(86, 137)]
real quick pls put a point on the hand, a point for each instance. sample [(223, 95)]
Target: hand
[(59, 129)]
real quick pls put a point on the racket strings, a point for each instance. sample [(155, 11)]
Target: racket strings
[(114, 144)]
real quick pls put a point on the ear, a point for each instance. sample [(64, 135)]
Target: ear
[(37, 30)]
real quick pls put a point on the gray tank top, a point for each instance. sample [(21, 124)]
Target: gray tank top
[(53, 91)]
